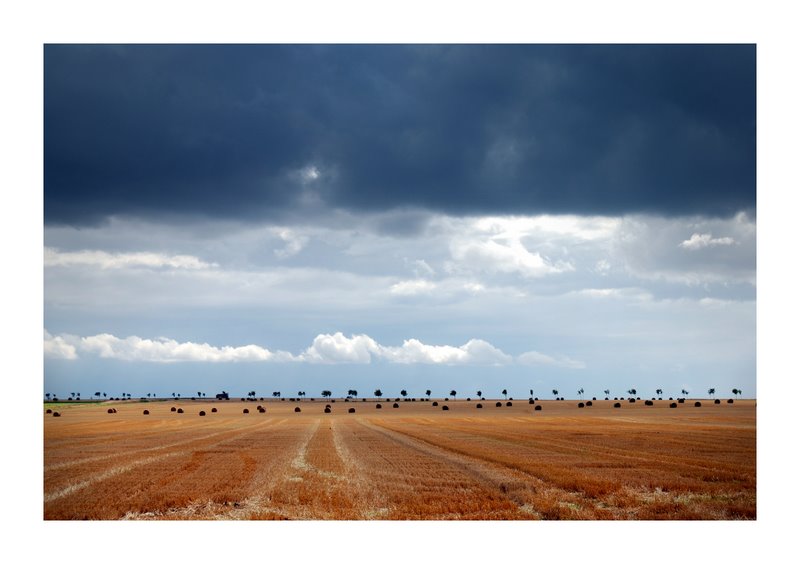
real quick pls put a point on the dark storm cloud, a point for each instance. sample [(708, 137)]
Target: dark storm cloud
[(227, 131)]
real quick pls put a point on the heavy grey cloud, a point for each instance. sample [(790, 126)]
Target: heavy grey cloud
[(254, 132)]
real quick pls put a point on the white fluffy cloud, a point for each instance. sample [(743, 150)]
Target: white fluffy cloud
[(105, 260), (325, 349), (698, 241), (57, 347)]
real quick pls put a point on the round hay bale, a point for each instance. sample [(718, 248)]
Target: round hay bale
[(435, 404), (673, 405), (146, 412), (172, 409), (716, 402), (49, 411), (479, 406), (202, 414), (245, 410), (378, 406), (531, 402), (297, 410), (537, 408), (351, 410), (213, 410), (681, 400), (508, 404), (617, 404), (56, 414), (498, 404), (631, 400), (445, 408), (589, 404), (697, 404), (395, 405), (730, 401), (327, 409), (581, 404), (648, 402), (328, 405), (180, 410), (112, 411)]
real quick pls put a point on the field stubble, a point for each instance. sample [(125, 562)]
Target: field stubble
[(415, 462)]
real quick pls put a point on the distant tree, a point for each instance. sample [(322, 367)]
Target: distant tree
[(453, 393), (104, 394), (736, 391), (505, 393), (47, 395), (659, 391), (199, 394), (607, 392), (684, 392), (326, 393), (301, 393), (428, 393), (97, 394), (173, 394), (72, 394), (276, 394), (479, 393), (377, 393), (580, 392), (403, 393), (531, 392), (555, 393), (352, 393), (632, 391), (711, 392)]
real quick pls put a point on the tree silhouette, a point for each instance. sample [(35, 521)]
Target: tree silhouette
[(301, 393), (607, 392), (377, 393), (479, 393), (428, 393), (632, 391), (711, 392), (352, 393), (173, 394), (104, 394), (555, 393), (453, 393), (531, 392), (47, 395), (659, 391), (326, 393), (684, 392), (403, 393), (505, 393), (98, 394), (580, 392), (276, 394), (736, 391)]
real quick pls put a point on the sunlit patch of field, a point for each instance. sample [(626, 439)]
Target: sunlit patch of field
[(414, 462)]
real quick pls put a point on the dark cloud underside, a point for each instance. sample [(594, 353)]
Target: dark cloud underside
[(224, 131)]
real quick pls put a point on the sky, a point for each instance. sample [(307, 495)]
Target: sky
[(443, 217)]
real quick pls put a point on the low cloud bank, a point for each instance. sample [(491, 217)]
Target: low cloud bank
[(325, 349)]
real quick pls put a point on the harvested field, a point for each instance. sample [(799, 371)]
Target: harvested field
[(418, 462)]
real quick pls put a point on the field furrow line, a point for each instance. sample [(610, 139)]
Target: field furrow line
[(115, 471)]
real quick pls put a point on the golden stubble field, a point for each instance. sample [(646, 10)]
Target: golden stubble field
[(413, 462)]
